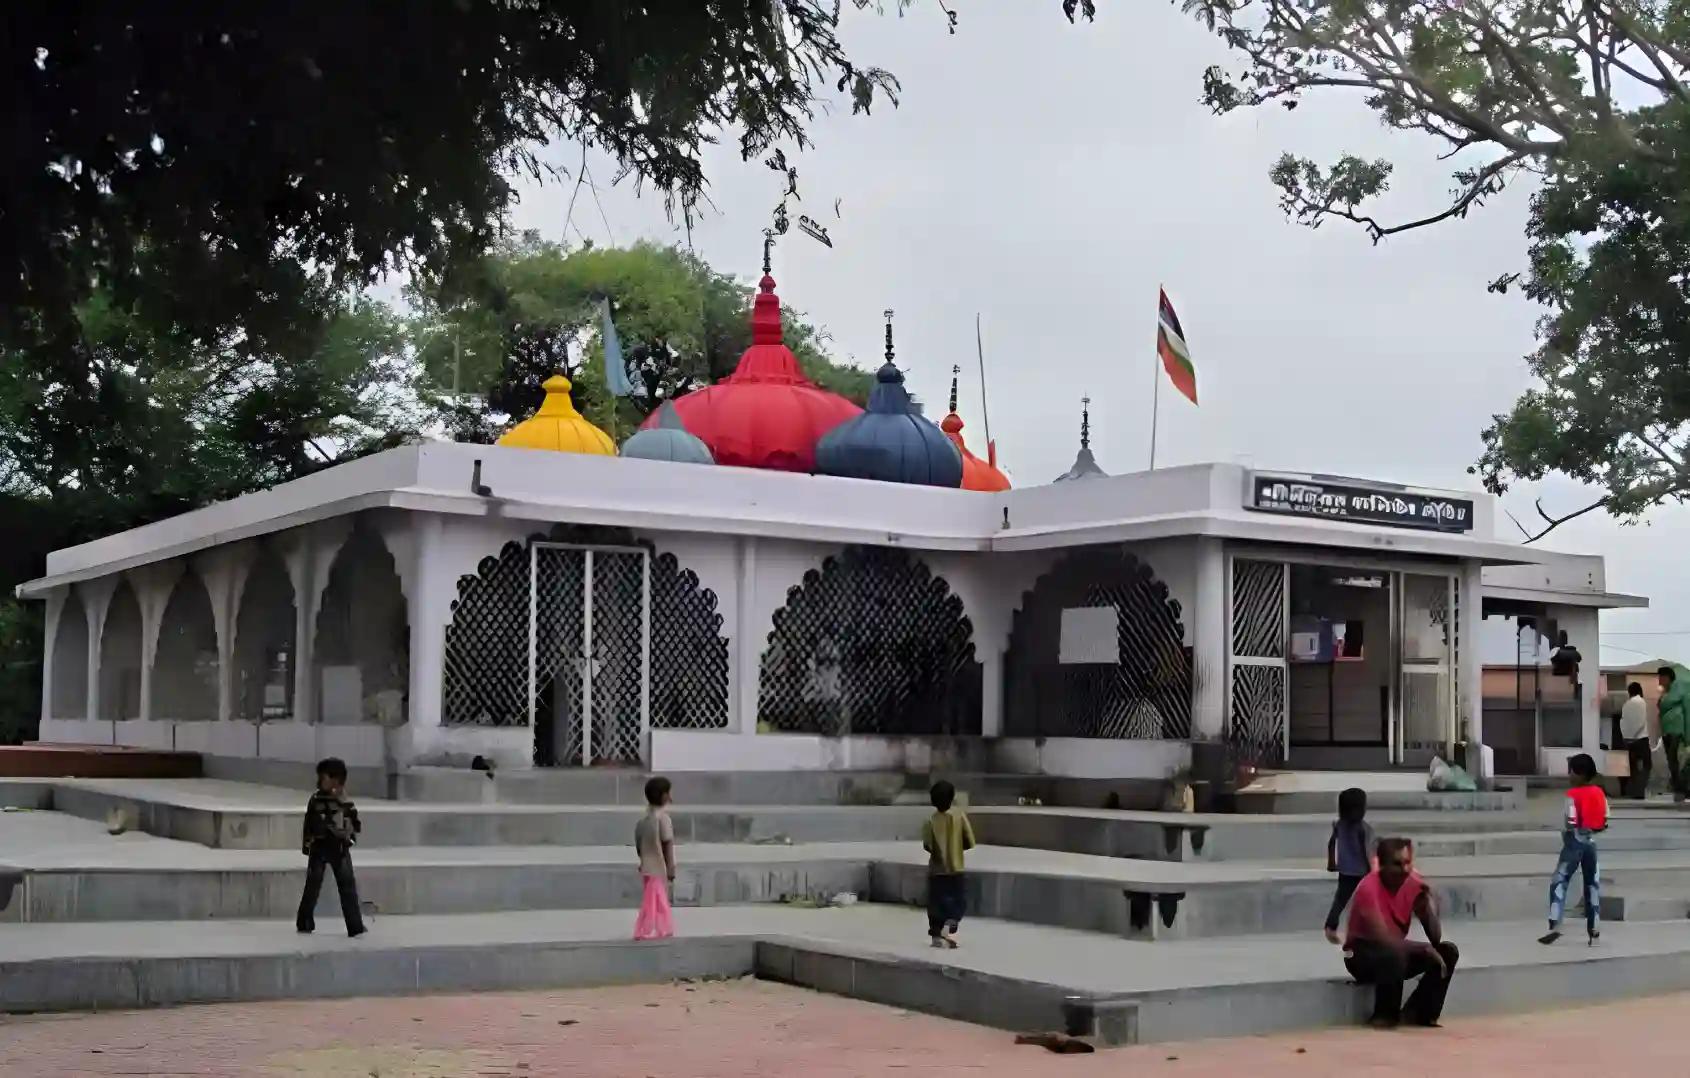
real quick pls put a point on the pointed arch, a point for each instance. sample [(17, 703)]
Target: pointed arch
[(185, 664), (68, 697), (361, 656), (485, 679), (265, 644), (120, 656), (1066, 677), (872, 642)]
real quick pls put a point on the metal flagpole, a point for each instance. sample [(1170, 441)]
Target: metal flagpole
[(980, 351), (1155, 406)]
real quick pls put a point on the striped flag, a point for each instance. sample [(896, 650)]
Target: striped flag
[(1170, 345)]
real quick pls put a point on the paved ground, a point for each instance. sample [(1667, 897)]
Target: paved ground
[(716, 1030)]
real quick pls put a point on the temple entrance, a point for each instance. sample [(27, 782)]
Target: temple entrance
[(1341, 667), (589, 657)]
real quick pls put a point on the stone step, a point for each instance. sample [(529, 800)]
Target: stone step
[(251, 824), (1152, 910), (72, 871), (1009, 976), (428, 886), (1643, 903)]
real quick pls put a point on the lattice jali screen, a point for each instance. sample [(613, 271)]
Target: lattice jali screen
[(1143, 692), (872, 642), (485, 675), (689, 657)]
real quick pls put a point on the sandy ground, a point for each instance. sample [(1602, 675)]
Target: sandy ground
[(747, 1027)]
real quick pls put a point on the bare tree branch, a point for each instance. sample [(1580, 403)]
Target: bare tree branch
[(1556, 522)]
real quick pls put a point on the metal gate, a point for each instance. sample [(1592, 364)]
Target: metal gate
[(1259, 684), (589, 653)]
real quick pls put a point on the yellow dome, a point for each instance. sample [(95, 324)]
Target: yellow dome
[(558, 426)]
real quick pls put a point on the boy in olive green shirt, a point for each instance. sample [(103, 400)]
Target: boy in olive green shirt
[(945, 836)]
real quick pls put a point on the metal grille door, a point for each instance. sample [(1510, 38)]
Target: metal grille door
[(590, 653), (1259, 680)]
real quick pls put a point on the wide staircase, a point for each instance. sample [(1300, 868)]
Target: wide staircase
[(1122, 926)]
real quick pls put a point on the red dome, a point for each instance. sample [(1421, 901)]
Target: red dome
[(765, 414), (976, 473)]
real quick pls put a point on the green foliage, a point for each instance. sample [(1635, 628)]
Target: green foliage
[(500, 326), (151, 419), (351, 137), (1595, 99)]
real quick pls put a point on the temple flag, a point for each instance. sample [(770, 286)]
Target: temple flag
[(1170, 345), (615, 367)]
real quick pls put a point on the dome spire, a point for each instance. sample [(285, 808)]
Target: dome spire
[(768, 247), (1085, 465), (765, 310), (888, 314), (956, 369)]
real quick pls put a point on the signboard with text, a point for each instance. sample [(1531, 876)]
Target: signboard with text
[(1358, 504)]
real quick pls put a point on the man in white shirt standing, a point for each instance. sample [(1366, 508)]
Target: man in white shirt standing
[(1634, 730)]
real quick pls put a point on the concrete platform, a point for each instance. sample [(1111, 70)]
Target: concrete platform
[(244, 816), (62, 868), (1008, 975)]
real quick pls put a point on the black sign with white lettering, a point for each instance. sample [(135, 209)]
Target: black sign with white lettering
[(1359, 504)]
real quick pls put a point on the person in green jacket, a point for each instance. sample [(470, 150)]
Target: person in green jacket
[(1674, 707)]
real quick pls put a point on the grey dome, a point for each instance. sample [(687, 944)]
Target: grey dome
[(667, 443)]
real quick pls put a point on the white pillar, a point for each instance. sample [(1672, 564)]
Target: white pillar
[(309, 555), (1210, 629), (224, 570), (96, 601), (428, 613), (747, 643), (153, 585), (49, 641), (1469, 673)]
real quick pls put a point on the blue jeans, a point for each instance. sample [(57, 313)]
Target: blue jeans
[(1578, 852)]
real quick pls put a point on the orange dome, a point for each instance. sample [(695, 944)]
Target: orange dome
[(977, 474)]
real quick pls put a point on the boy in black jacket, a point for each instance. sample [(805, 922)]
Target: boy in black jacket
[(331, 829)]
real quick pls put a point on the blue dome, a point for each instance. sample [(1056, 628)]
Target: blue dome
[(890, 441), (667, 443)]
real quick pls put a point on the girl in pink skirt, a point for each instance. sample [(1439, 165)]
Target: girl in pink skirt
[(654, 842)]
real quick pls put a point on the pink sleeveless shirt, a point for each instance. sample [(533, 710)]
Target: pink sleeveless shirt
[(1374, 905)]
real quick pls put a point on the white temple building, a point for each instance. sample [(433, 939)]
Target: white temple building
[(547, 608)]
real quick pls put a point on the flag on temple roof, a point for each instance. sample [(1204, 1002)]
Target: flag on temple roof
[(615, 366), (1170, 345)]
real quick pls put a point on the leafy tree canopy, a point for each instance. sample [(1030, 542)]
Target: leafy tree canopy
[(351, 136), (1591, 96), (500, 326)]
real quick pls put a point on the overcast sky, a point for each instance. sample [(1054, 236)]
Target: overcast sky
[(1051, 176)]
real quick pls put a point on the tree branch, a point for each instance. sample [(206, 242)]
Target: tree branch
[(1556, 522)]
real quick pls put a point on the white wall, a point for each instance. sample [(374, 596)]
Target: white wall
[(690, 750)]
